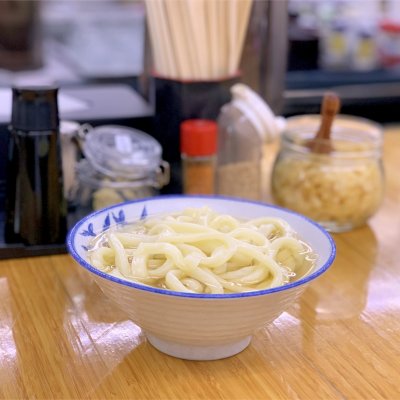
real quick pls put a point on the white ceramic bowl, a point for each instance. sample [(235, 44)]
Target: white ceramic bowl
[(198, 326)]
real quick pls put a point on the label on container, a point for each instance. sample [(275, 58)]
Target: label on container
[(123, 144)]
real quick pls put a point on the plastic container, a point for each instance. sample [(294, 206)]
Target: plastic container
[(341, 189), (244, 126), (365, 51), (389, 43), (198, 142), (120, 164), (336, 45)]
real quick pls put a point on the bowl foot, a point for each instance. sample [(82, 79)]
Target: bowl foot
[(200, 353)]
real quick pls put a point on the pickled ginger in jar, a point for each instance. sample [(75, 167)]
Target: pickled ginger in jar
[(340, 189)]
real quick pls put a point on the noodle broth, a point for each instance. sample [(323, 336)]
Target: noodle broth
[(200, 251)]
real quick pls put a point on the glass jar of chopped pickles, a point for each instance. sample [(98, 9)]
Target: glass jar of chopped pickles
[(340, 189)]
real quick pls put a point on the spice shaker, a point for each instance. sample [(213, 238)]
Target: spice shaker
[(245, 125), (35, 205), (198, 142)]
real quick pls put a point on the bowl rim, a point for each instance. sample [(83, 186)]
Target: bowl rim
[(73, 252)]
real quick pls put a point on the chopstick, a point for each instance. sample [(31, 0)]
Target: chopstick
[(159, 53), (163, 36), (213, 36), (176, 28), (232, 34), (189, 33), (244, 9)]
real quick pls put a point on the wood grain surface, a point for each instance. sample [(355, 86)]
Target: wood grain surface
[(61, 338)]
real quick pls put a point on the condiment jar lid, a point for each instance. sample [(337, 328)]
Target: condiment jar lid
[(68, 128), (119, 151), (253, 106), (35, 108), (198, 137)]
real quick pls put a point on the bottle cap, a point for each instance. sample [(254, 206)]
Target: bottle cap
[(267, 125), (35, 108), (198, 137)]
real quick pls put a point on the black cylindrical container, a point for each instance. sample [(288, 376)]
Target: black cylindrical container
[(35, 205)]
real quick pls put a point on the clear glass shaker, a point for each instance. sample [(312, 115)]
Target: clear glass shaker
[(341, 189), (244, 126)]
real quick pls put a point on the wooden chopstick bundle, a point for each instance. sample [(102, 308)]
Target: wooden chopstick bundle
[(197, 39)]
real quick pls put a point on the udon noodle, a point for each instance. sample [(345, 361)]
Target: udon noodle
[(200, 251)]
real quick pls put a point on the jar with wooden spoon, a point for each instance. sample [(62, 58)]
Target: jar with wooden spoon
[(329, 168)]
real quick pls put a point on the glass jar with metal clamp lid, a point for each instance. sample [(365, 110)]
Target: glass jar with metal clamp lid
[(120, 164)]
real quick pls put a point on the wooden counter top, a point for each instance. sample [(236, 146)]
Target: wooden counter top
[(61, 338)]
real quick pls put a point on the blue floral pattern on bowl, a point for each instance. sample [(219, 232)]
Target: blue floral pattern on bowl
[(118, 217)]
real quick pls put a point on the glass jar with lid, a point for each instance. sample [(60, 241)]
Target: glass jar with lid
[(340, 189), (120, 164)]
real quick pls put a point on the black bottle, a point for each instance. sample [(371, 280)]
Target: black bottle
[(35, 205)]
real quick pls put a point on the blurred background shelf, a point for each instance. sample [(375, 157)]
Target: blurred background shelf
[(310, 79), (326, 44), (374, 95)]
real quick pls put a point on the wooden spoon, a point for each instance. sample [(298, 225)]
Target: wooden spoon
[(330, 107)]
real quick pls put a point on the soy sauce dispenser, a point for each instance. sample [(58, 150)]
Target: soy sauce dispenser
[(35, 205)]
